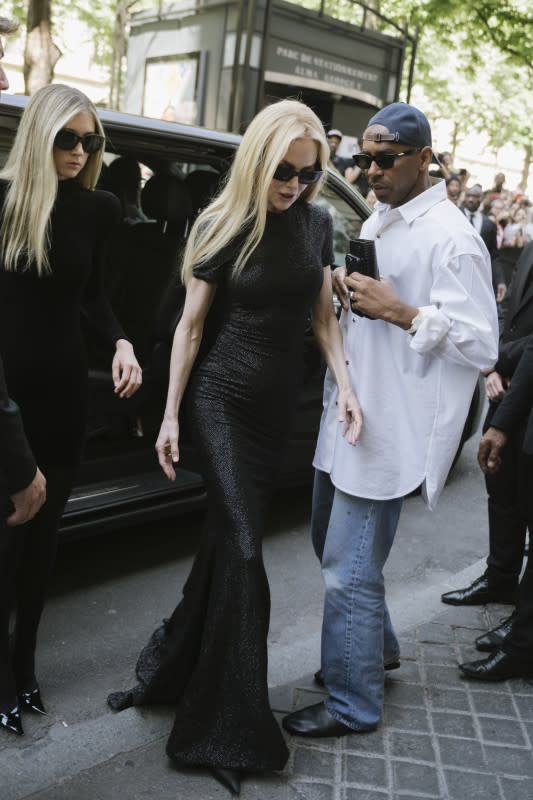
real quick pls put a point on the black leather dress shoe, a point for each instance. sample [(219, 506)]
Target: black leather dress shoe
[(478, 593), (494, 639), (497, 667), (394, 664), (315, 721)]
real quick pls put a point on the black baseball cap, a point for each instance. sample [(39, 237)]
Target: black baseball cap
[(406, 125)]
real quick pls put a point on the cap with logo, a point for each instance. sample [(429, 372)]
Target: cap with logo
[(406, 125)]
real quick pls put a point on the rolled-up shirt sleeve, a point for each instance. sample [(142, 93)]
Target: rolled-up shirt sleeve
[(460, 323)]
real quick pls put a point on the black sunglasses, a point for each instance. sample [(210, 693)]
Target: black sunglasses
[(68, 140), (364, 160), (286, 173)]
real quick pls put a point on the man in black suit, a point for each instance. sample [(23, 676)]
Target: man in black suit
[(513, 657), (22, 485), (488, 232), (507, 525)]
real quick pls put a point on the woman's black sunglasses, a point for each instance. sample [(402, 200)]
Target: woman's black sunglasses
[(68, 140), (383, 160), (286, 173)]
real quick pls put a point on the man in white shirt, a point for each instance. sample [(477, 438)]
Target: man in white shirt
[(414, 359)]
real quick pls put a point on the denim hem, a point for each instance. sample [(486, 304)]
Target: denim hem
[(348, 723)]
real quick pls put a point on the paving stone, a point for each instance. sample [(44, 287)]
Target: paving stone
[(471, 785), (415, 746), (415, 778), (405, 694), (516, 788), (366, 794), (407, 648), (367, 771), (454, 724), (452, 699), (438, 654), (464, 617), (523, 687), (409, 671), (314, 763), (495, 729), (510, 761), (408, 719), (495, 704), (310, 791), (456, 752), (372, 742), (442, 676), (468, 635), (434, 632), (525, 706)]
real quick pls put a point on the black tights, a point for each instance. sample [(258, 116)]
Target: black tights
[(27, 556)]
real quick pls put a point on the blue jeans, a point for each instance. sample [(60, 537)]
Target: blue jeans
[(352, 537)]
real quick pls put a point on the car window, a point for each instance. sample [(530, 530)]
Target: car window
[(347, 221)]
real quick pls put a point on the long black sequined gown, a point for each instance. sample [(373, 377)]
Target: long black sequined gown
[(210, 657)]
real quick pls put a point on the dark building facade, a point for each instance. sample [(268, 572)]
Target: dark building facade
[(217, 63)]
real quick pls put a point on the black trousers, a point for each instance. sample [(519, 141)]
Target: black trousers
[(519, 643), (27, 556), (507, 499)]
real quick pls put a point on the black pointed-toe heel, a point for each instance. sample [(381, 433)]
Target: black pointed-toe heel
[(229, 778), (32, 701), (11, 722)]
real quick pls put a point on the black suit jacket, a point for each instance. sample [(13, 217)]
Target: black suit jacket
[(516, 406), (518, 324), (489, 234), (17, 464)]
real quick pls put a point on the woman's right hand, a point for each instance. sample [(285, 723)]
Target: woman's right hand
[(167, 446)]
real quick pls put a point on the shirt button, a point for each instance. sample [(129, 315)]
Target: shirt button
[(346, 362)]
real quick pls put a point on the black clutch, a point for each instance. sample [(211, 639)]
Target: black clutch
[(362, 258)]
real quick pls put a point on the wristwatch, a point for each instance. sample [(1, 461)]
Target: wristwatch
[(416, 322)]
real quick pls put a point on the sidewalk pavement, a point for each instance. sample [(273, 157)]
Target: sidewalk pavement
[(441, 737)]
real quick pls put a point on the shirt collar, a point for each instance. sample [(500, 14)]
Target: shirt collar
[(419, 205)]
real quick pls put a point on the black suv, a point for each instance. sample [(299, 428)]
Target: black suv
[(180, 166)]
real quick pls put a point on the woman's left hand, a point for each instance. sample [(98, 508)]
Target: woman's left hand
[(350, 413), (127, 374)]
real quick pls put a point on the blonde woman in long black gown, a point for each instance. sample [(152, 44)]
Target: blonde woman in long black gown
[(268, 249)]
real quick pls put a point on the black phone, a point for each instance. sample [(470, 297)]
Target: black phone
[(362, 258)]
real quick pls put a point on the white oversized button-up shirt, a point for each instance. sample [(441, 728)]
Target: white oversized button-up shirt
[(415, 391)]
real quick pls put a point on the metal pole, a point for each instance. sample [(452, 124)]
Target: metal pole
[(235, 69), (260, 94), (243, 85)]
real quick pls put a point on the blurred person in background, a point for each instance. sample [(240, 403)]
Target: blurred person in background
[(488, 231), (454, 189)]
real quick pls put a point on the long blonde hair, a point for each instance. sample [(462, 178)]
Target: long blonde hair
[(32, 176), (243, 201)]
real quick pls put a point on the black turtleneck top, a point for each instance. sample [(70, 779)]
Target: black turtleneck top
[(41, 342)]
